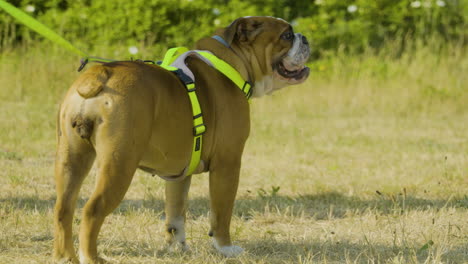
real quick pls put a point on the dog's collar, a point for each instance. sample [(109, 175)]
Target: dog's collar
[(220, 39)]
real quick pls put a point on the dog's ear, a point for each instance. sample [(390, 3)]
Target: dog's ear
[(242, 29)]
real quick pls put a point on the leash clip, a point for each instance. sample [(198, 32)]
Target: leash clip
[(84, 61)]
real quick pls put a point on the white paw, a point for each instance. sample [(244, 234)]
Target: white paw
[(82, 257), (85, 260), (176, 238), (228, 251), (178, 246), (65, 261)]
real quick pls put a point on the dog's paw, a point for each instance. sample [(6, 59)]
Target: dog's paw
[(71, 260), (96, 260), (228, 251), (178, 246), (175, 235)]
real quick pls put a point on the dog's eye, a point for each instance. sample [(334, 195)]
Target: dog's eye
[(287, 36)]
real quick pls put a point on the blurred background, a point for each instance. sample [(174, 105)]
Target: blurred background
[(399, 57), (350, 26)]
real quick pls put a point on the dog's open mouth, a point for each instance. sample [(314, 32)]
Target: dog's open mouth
[(291, 73), (297, 74)]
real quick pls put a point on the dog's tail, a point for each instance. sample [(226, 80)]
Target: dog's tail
[(89, 85), (93, 81)]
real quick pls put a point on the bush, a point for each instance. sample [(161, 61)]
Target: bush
[(355, 25), (349, 25)]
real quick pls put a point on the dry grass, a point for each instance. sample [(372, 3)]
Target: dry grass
[(365, 163)]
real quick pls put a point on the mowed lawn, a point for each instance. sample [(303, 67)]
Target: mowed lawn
[(366, 162)]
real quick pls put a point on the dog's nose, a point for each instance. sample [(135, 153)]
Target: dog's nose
[(304, 40)]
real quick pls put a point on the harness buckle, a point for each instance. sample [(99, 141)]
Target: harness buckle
[(183, 77), (84, 61), (199, 130), (247, 86), (190, 87)]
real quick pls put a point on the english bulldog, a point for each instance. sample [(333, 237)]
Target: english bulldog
[(130, 115)]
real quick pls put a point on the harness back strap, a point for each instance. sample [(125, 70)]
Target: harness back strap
[(198, 125)]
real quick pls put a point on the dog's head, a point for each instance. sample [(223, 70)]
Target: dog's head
[(274, 54)]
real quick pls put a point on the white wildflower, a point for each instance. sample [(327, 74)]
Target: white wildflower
[(440, 3), (133, 50), (30, 8), (352, 8), (216, 11), (416, 4), (217, 22)]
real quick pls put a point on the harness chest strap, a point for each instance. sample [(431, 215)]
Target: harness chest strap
[(174, 61)]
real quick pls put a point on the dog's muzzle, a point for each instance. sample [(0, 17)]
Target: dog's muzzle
[(292, 67)]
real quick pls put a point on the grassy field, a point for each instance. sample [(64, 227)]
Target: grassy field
[(367, 162)]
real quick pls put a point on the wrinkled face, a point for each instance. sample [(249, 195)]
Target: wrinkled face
[(276, 54), (291, 67)]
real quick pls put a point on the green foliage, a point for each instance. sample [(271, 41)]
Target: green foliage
[(355, 25), (349, 25)]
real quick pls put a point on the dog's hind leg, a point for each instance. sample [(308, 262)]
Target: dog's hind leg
[(175, 207), (114, 178), (119, 147), (74, 158), (115, 172)]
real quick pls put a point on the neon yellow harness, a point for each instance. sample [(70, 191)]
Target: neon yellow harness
[(198, 125)]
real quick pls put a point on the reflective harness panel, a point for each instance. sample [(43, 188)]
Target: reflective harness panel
[(174, 61)]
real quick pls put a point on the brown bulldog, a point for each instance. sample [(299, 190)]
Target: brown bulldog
[(129, 115)]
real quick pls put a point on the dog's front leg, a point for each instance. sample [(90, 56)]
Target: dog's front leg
[(175, 207), (224, 180)]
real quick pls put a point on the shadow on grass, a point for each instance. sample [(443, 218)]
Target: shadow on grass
[(319, 206), (270, 250), (337, 205), (342, 251)]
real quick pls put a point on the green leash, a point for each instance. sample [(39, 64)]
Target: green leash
[(48, 33)]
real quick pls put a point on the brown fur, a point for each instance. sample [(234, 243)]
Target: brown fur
[(92, 82), (126, 115)]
